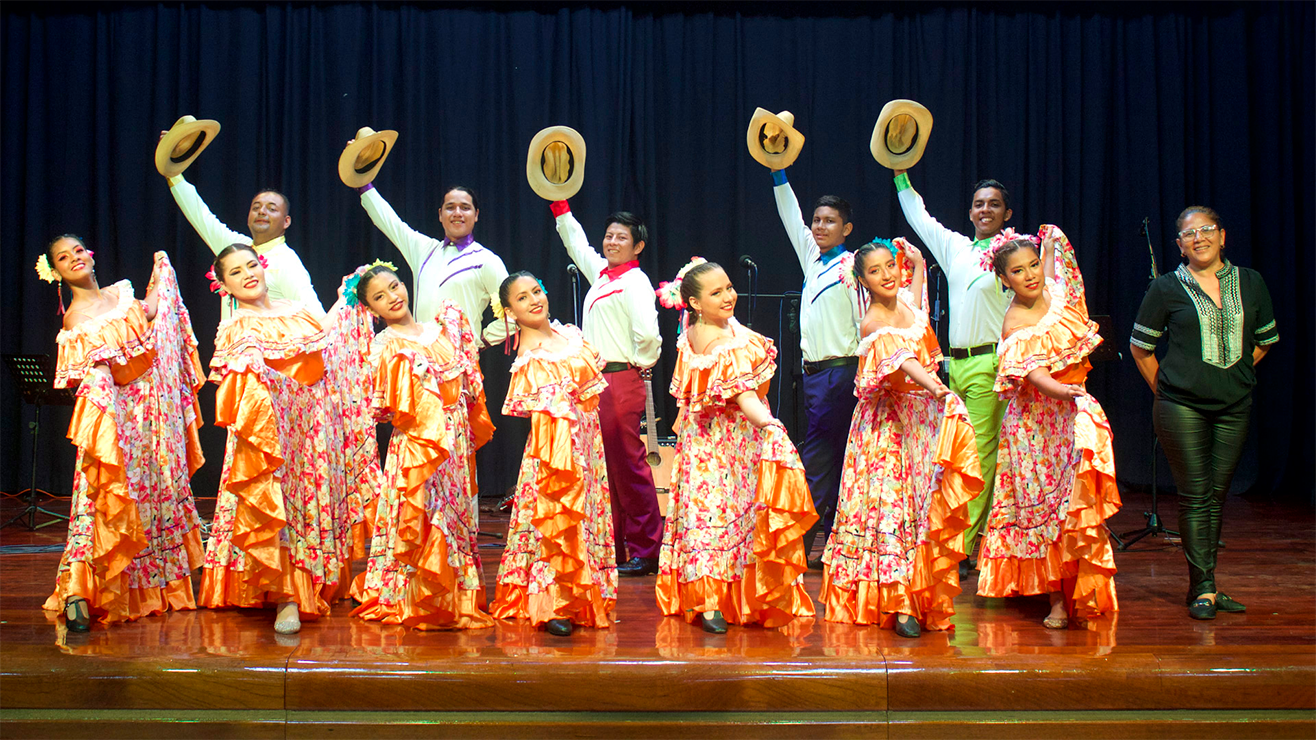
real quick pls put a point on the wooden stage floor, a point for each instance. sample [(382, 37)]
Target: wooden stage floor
[(1150, 672)]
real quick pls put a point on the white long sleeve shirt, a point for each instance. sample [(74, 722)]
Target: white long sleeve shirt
[(286, 276), (466, 275), (977, 301), (829, 311), (621, 313)]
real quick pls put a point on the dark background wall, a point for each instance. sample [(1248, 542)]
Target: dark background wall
[(1093, 115)]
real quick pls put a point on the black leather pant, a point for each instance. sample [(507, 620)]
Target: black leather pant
[(1203, 448)]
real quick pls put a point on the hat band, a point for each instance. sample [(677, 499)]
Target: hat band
[(371, 164), (196, 146)]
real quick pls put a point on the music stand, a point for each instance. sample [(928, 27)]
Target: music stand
[(35, 376)]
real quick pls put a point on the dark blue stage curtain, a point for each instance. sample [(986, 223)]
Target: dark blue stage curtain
[(1093, 115)]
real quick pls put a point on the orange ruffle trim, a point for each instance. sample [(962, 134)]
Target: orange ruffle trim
[(224, 588), (883, 352), (433, 600), (290, 344), (1063, 338), (746, 363), (121, 338), (929, 597), (1081, 563), (112, 600), (770, 592), (541, 381)]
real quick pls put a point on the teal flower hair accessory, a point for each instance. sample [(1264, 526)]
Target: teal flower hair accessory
[(349, 284)]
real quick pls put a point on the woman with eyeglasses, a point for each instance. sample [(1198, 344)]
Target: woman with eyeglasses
[(1217, 323)]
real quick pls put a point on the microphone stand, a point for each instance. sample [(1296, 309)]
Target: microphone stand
[(574, 272), (752, 271), (1150, 251)]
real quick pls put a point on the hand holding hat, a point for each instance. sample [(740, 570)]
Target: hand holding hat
[(555, 163), (773, 139), (182, 143), (363, 156), (901, 134)]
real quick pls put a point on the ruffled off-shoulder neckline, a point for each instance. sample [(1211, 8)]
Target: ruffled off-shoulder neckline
[(92, 325)]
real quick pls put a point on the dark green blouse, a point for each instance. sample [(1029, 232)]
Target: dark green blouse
[(1208, 355)]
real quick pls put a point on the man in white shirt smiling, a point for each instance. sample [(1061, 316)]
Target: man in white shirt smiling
[(621, 323), (268, 220), (977, 313), (456, 267), (829, 339)]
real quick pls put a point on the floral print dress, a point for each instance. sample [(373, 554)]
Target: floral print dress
[(289, 494), (134, 534), (424, 566), (910, 470), (1055, 472), (560, 560), (740, 505)]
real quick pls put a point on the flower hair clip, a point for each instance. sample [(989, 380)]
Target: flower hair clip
[(45, 271), (669, 292), (351, 281), (845, 271), (1006, 236), (217, 287), (497, 307)]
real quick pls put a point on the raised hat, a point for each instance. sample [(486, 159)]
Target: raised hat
[(773, 140), (182, 143), (901, 134), (555, 163), (361, 160)]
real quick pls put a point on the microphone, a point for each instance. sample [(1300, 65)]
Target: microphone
[(748, 263), (573, 270)]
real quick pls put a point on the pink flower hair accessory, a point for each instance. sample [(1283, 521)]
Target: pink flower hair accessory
[(217, 287), (1006, 236), (669, 292)]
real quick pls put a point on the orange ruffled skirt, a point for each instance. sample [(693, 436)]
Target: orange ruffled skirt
[(1069, 450), (931, 463)]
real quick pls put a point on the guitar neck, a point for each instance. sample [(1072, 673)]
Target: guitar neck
[(650, 418)]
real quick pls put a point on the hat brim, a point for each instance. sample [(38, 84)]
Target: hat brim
[(923, 130), (775, 161), (534, 163), (355, 177), (169, 165)]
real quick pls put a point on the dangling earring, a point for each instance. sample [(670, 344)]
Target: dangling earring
[(59, 288)]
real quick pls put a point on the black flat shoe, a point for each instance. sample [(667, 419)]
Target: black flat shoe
[(1225, 604), (560, 627), (965, 570), (714, 624), (74, 618), (908, 628), (638, 567), (816, 563), (1202, 608)]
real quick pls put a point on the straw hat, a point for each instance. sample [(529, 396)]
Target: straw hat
[(901, 134), (773, 139), (555, 163), (361, 160), (181, 144)]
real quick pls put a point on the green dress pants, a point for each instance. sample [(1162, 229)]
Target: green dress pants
[(973, 380)]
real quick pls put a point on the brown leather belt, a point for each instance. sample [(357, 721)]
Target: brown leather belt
[(959, 353)]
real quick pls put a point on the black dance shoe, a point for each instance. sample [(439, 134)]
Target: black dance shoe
[(77, 615), (965, 570), (560, 627), (1225, 604), (907, 628), (1202, 608), (714, 624), (638, 567)]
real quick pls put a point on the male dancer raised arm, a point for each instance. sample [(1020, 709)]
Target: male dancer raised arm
[(829, 339), (977, 313), (621, 322), (456, 267)]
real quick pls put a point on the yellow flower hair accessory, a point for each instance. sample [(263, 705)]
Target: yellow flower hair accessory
[(45, 272), (498, 311)]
